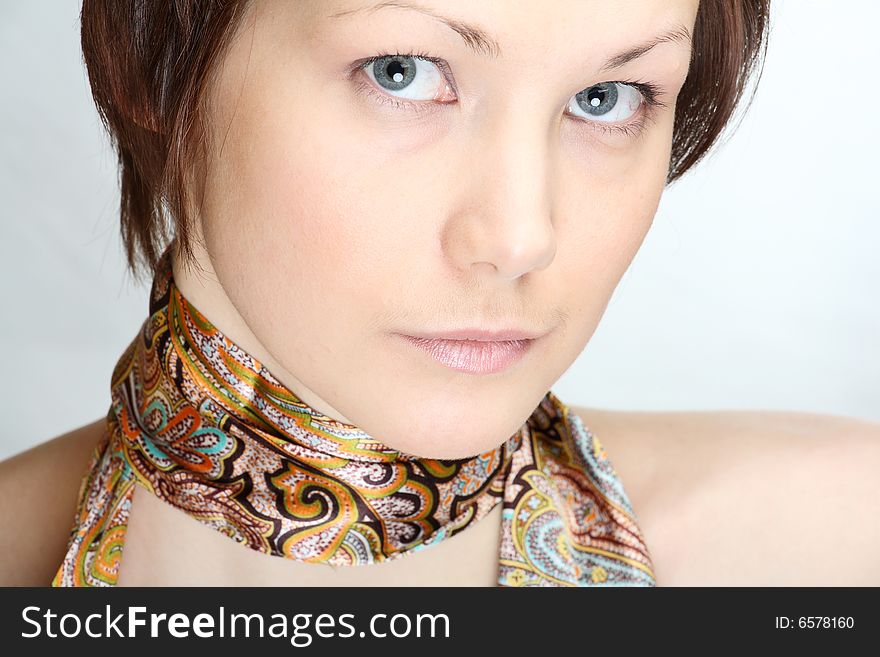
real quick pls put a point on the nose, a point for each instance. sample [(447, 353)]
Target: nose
[(503, 221)]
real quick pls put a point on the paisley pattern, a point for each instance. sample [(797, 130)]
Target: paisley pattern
[(207, 428)]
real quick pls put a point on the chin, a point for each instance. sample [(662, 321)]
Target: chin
[(448, 420), (452, 442)]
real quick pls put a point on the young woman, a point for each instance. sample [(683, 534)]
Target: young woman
[(394, 225)]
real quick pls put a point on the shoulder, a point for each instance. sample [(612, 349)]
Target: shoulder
[(38, 496), (750, 497)]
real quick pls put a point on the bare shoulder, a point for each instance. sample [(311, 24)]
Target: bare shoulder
[(38, 491), (750, 497)]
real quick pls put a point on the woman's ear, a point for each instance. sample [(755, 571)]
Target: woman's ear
[(145, 119), (123, 97), (138, 107)]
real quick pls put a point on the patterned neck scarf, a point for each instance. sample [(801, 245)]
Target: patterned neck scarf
[(207, 428)]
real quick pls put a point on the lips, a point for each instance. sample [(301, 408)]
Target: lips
[(482, 355), (480, 335)]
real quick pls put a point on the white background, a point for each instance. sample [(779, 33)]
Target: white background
[(757, 287)]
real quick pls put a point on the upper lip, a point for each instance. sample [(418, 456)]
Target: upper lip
[(480, 335)]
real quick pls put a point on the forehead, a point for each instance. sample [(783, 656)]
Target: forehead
[(520, 22)]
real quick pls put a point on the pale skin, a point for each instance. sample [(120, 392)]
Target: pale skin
[(497, 203)]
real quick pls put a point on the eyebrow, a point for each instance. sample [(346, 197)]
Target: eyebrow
[(480, 42)]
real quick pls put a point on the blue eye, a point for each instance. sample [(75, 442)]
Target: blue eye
[(609, 101), (420, 83), (408, 77)]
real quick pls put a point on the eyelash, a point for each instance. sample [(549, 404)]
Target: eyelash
[(650, 93)]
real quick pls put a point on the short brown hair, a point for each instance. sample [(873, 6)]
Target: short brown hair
[(150, 63)]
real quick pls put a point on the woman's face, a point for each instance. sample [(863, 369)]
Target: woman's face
[(345, 206)]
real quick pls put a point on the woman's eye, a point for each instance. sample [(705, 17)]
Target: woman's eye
[(607, 102), (420, 82), (409, 78)]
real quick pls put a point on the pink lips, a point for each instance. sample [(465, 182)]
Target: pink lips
[(475, 352)]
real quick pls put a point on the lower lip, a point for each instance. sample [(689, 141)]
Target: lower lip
[(473, 356)]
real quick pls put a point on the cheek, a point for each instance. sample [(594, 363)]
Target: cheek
[(608, 205), (290, 205)]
